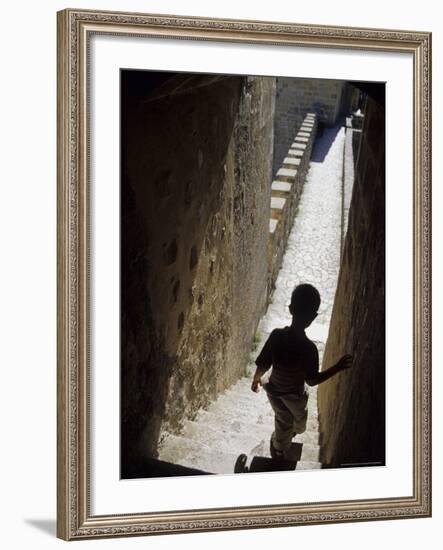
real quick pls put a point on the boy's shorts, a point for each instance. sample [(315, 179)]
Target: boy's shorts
[(291, 416)]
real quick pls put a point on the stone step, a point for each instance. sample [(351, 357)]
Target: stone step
[(257, 431), (220, 438), (277, 203), (291, 161), (256, 401), (241, 407), (298, 145), (282, 186), (262, 426), (201, 439), (246, 403), (272, 225), (247, 413), (303, 465), (297, 153), (286, 174), (300, 139), (310, 453), (219, 461), (186, 452)]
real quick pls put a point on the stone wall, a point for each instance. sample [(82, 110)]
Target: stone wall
[(352, 404), (297, 96), (196, 172)]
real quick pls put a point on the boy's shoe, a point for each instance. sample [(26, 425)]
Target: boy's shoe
[(275, 453)]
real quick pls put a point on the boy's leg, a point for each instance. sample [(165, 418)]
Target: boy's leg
[(283, 424), (298, 407)]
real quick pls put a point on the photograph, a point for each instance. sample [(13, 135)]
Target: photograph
[(243, 274), (218, 223), (252, 274)]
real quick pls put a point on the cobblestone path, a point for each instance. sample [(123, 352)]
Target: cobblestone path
[(313, 250), (240, 421)]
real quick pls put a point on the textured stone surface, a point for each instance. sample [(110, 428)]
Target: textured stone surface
[(352, 404), (196, 173)]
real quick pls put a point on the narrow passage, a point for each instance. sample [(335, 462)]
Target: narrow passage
[(240, 421)]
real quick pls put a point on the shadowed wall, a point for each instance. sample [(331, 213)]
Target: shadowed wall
[(352, 404), (195, 195)]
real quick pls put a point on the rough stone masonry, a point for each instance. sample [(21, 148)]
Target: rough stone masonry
[(196, 173)]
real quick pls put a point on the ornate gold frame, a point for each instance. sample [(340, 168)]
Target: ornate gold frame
[(74, 519)]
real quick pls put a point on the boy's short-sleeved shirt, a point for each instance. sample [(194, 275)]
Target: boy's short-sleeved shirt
[(294, 359)]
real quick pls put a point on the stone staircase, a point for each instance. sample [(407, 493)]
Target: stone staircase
[(238, 422)]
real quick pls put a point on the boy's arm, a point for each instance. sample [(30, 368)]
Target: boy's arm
[(256, 381), (343, 364), (263, 362)]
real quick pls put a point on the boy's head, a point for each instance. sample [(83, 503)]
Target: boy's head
[(305, 301)]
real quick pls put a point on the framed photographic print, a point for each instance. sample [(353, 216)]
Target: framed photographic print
[(243, 274)]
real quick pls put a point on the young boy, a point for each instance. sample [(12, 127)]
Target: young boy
[(294, 360)]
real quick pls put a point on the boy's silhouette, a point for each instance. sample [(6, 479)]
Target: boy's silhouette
[(294, 360)]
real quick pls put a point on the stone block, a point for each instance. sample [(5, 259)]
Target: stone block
[(272, 225), (287, 173), (297, 145), (281, 186), (277, 203), (292, 161), (295, 153)]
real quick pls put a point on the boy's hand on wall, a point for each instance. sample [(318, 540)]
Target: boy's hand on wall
[(345, 362)]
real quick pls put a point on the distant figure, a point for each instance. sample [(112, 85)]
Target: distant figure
[(294, 360)]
